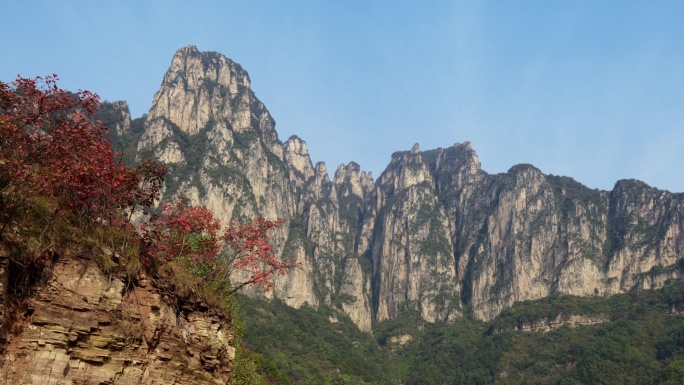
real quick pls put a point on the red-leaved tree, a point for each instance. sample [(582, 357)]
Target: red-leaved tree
[(191, 236), (55, 158), (51, 146)]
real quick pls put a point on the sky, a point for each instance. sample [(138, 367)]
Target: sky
[(593, 90)]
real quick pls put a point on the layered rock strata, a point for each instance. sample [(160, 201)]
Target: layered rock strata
[(84, 327)]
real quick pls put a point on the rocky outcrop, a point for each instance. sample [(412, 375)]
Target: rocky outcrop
[(548, 324), (85, 327), (413, 265), (544, 234), (330, 212), (219, 143), (435, 234), (218, 139), (116, 115)]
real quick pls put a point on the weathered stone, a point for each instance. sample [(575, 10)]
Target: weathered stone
[(75, 335), (440, 233)]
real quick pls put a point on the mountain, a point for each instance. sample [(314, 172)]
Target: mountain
[(434, 235)]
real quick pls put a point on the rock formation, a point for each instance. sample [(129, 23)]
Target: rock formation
[(85, 327), (548, 324), (435, 234)]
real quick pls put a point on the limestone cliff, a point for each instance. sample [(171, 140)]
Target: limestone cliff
[(435, 234), (413, 266), (223, 152)]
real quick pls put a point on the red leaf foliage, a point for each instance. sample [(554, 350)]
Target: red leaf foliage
[(50, 145), (52, 148), (192, 236)]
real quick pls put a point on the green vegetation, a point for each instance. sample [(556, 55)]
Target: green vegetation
[(642, 344), (304, 347), (430, 156), (569, 192), (127, 142)]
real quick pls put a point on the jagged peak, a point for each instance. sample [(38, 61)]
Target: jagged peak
[(296, 144), (196, 69), (464, 148), (353, 169), (321, 170), (350, 175), (187, 50), (344, 171), (296, 154), (350, 167), (203, 87), (415, 149)]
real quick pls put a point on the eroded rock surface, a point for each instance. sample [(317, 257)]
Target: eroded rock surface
[(83, 327), (434, 234)]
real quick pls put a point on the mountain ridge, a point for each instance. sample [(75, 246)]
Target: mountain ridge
[(433, 233)]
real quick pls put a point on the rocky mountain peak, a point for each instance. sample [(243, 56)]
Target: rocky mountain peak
[(442, 236), (205, 93), (298, 160), (359, 182), (415, 149), (456, 166), (406, 169), (195, 86), (322, 171)]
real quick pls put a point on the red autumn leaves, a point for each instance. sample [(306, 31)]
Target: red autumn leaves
[(190, 235), (51, 148)]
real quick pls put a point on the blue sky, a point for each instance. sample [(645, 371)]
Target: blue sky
[(589, 89)]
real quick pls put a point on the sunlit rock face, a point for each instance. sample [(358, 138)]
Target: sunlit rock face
[(90, 328), (412, 251), (220, 145), (435, 234)]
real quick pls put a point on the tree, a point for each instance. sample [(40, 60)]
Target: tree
[(191, 236), (51, 147), (57, 166)]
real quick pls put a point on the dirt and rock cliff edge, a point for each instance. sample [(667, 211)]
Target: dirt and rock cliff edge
[(82, 326)]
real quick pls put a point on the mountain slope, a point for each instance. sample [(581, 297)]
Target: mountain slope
[(434, 234)]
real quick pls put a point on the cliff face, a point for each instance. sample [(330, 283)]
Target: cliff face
[(537, 235), (548, 324), (222, 150), (413, 265), (85, 327), (435, 234)]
